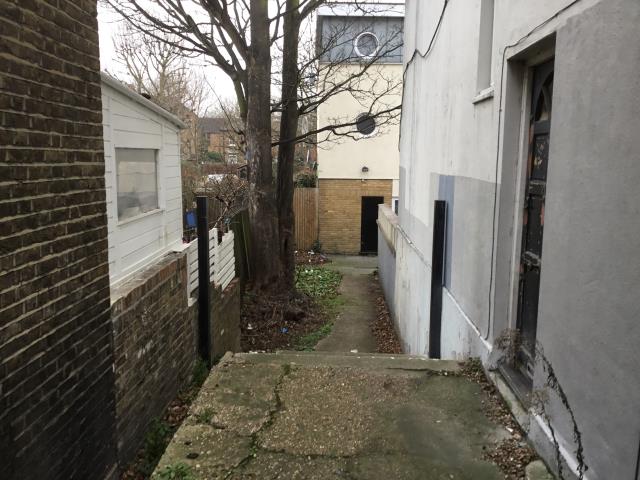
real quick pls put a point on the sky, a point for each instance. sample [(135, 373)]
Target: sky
[(108, 25)]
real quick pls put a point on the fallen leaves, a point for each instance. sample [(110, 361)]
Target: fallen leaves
[(383, 328), (512, 454)]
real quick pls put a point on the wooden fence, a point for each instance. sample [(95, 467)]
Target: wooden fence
[(305, 210)]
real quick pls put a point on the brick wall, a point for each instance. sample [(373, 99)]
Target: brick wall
[(57, 402), (340, 211), (155, 338), (155, 342)]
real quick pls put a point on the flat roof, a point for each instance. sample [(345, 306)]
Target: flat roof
[(362, 9)]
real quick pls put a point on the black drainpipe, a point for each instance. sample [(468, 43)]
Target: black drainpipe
[(437, 276)]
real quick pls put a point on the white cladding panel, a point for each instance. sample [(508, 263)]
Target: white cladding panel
[(137, 242)]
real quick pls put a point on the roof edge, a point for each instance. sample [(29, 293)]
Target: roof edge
[(355, 9), (123, 89)]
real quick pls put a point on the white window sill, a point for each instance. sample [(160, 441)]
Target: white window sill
[(139, 217), (483, 95)]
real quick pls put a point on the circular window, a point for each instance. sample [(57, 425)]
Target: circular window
[(366, 45), (366, 124)]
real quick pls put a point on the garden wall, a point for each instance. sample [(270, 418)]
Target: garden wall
[(155, 342)]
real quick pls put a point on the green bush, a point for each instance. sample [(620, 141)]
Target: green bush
[(215, 157)]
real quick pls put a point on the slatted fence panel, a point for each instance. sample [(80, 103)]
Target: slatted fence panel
[(213, 242), (192, 268), (224, 263), (305, 210)]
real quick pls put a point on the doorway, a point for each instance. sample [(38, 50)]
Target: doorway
[(369, 225), (533, 217)]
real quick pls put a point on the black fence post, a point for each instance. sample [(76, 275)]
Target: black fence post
[(437, 277), (204, 308)]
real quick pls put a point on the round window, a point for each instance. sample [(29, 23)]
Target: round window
[(366, 124), (366, 45)]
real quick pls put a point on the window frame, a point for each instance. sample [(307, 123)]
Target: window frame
[(158, 208), (375, 124), (357, 49), (484, 74)]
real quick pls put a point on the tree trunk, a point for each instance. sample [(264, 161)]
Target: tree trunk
[(262, 203), (286, 151)]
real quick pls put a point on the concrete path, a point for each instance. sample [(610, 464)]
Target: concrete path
[(352, 328), (325, 416)]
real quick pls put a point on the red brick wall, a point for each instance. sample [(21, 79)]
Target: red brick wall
[(57, 402)]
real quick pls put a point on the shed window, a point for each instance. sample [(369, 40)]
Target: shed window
[(137, 172)]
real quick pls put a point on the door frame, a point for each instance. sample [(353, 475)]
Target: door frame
[(525, 355), (362, 201), (521, 184)]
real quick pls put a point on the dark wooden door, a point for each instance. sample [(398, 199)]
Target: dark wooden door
[(533, 215), (368, 224)]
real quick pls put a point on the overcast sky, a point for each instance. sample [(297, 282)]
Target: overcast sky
[(109, 22)]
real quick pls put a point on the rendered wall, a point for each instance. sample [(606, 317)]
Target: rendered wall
[(470, 151), (57, 402), (345, 157), (387, 225), (588, 319)]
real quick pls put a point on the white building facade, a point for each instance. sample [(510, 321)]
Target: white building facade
[(521, 120), (359, 171), (142, 179)]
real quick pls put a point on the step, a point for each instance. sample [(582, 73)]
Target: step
[(368, 361)]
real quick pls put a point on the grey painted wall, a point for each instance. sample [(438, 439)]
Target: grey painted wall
[(589, 321), (469, 242), (387, 271), (338, 35)]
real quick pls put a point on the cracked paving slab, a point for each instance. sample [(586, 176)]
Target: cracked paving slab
[(263, 417)]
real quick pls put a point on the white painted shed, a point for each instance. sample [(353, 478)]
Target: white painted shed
[(142, 179)]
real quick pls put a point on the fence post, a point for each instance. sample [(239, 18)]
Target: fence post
[(204, 320)]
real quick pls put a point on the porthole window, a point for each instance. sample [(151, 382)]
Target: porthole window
[(366, 124), (366, 45)]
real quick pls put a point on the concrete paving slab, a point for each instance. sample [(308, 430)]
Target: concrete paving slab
[(262, 416), (537, 471), (352, 327)]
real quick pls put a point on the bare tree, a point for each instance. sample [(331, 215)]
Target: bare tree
[(269, 47), (158, 68)]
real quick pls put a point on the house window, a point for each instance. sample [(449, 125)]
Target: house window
[(137, 182), (485, 45), (394, 204), (366, 124), (366, 45)]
